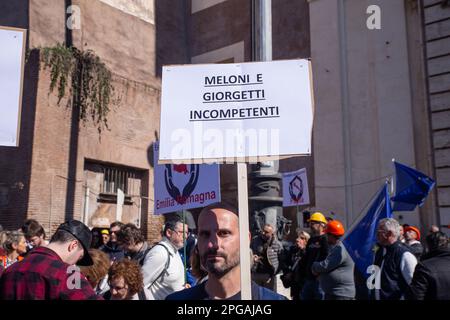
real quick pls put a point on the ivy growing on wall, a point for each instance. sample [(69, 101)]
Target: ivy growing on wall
[(87, 79)]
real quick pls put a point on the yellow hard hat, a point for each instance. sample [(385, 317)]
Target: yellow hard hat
[(318, 217)]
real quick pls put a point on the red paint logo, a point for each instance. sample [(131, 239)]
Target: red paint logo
[(180, 168)]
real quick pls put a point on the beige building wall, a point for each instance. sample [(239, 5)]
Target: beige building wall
[(124, 37), (436, 18), (142, 9), (364, 111)]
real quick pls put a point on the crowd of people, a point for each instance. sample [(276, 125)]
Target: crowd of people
[(318, 267), (117, 263)]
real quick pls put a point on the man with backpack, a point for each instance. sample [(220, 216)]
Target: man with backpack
[(161, 265)]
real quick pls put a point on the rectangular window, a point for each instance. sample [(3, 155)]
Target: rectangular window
[(118, 178), (105, 179)]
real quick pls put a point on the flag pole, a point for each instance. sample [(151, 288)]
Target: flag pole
[(244, 232), (392, 179)]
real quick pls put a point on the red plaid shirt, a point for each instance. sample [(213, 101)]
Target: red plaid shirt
[(42, 275)]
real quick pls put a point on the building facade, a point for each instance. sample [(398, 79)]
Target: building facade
[(378, 95), (63, 168), (374, 103)]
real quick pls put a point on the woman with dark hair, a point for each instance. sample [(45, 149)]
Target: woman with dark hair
[(126, 282)]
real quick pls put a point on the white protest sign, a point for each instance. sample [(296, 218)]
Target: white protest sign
[(12, 57), (231, 112), (181, 186), (295, 188)]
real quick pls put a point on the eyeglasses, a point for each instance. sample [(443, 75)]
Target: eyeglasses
[(118, 289), (181, 231)]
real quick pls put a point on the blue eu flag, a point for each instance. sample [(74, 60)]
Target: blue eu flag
[(411, 188), (360, 242)]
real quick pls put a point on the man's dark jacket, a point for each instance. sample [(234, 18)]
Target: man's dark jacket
[(393, 285), (113, 250), (269, 251), (316, 250), (431, 280)]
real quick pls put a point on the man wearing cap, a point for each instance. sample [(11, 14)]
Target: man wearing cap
[(48, 273), (316, 250), (412, 237), (336, 270), (105, 236)]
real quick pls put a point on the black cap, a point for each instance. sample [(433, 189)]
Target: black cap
[(80, 231)]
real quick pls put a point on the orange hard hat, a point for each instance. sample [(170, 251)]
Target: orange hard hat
[(416, 230), (335, 227)]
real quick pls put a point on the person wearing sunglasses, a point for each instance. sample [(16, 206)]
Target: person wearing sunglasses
[(112, 248)]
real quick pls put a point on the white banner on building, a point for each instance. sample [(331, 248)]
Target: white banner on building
[(12, 60), (184, 186), (236, 111), (142, 9), (295, 188)]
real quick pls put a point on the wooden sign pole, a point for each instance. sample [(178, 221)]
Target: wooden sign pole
[(244, 232)]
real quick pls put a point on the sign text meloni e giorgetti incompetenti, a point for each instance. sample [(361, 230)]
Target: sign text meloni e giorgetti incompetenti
[(233, 111), (228, 94)]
